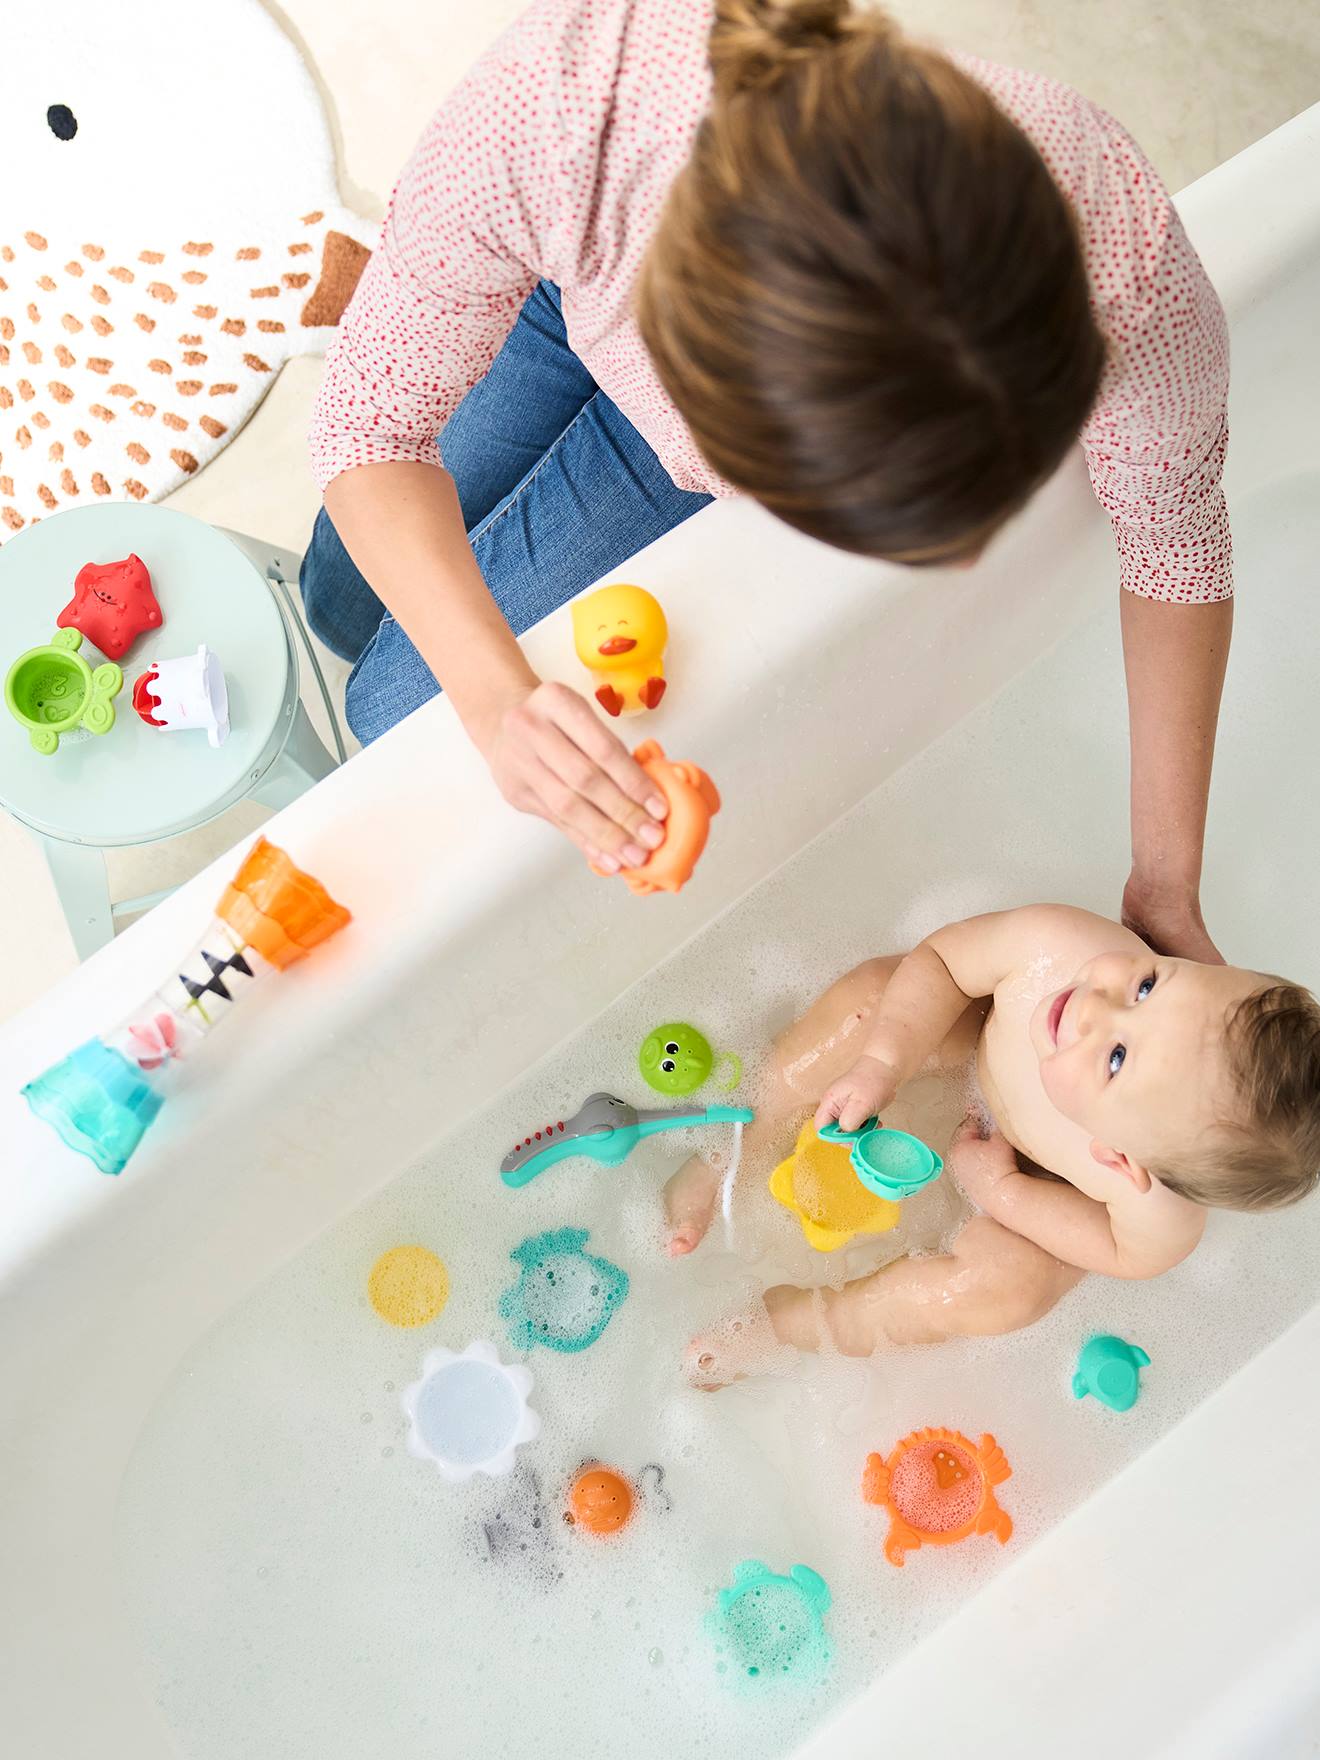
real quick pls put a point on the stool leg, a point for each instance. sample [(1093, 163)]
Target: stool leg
[(303, 761), (78, 871)]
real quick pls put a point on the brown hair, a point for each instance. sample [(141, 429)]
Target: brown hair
[(1269, 1155), (866, 295)]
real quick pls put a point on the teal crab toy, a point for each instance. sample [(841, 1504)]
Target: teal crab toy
[(51, 690), (1109, 1368), (771, 1627)]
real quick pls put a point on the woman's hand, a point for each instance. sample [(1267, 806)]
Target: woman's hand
[(550, 756), (1169, 925), (860, 1093)]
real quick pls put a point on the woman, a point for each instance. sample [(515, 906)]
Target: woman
[(650, 253)]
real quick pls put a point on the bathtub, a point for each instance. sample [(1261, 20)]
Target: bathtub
[(1144, 1622)]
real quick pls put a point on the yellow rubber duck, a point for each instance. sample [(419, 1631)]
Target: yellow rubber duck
[(818, 1184), (620, 635)]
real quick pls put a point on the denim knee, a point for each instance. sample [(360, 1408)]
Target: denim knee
[(340, 607), (389, 681)]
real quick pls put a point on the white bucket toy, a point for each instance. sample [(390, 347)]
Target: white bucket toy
[(179, 695)]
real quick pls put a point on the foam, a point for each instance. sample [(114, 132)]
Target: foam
[(299, 1585)]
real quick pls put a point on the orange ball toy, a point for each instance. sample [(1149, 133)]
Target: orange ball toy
[(600, 1500)]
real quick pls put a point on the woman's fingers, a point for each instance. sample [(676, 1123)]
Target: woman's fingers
[(555, 759), (593, 803), (571, 713)]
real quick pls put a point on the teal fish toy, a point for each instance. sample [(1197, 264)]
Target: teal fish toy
[(564, 1297)]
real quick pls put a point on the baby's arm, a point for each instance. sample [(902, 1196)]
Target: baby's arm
[(923, 1000), (1063, 1221)]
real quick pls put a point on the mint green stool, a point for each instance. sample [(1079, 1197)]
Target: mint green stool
[(136, 784)]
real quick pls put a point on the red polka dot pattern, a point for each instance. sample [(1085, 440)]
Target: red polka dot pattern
[(552, 160)]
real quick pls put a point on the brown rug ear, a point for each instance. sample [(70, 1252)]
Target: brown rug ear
[(342, 261)]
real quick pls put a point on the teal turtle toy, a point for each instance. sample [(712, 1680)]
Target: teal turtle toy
[(770, 1627), (1109, 1368)]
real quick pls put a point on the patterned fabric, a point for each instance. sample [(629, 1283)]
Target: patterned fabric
[(552, 160), (170, 235)]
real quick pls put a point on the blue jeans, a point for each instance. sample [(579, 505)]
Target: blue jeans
[(557, 489)]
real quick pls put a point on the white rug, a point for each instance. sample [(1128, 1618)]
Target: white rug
[(170, 234)]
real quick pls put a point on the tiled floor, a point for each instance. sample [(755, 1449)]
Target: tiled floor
[(1195, 81)]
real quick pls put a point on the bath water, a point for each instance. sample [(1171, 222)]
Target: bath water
[(303, 1587)]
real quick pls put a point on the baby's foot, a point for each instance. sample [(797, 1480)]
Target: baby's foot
[(689, 1205), (741, 1345)]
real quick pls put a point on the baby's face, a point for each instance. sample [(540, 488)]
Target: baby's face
[(1132, 1051)]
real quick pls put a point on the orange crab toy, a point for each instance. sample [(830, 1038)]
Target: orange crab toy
[(938, 1488), (693, 802)]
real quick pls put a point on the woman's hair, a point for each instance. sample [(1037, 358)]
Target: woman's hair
[(866, 295), (1269, 1154)]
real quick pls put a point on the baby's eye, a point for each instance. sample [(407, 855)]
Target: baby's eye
[(1145, 987), (1117, 1057)]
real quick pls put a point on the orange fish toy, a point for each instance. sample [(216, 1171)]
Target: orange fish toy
[(693, 802)]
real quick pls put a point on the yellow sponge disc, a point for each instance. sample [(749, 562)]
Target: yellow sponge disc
[(408, 1286)]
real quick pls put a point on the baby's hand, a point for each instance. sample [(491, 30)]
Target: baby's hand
[(860, 1093), (980, 1162)]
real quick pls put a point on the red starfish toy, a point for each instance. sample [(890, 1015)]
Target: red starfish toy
[(112, 604)]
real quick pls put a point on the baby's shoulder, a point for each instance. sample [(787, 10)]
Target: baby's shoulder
[(1154, 1230), (1064, 933)]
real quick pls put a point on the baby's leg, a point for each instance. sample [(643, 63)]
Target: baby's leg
[(994, 1281), (806, 1058), (828, 1037)]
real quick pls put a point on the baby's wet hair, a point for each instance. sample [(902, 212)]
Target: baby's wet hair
[(1267, 1153)]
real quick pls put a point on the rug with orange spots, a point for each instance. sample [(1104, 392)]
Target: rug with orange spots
[(170, 234)]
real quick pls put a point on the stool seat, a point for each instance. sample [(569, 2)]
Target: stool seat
[(136, 783)]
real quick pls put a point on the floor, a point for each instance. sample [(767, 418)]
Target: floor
[(1195, 82)]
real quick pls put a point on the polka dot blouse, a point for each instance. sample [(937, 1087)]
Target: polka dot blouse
[(551, 161)]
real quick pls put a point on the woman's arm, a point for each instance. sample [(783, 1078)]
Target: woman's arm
[(1155, 448), (402, 525), (469, 232), (1175, 657)]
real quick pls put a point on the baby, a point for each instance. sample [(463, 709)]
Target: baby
[(1151, 1087)]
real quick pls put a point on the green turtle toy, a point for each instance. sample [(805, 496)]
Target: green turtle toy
[(1109, 1368)]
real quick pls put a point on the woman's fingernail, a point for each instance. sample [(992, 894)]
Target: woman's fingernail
[(633, 855), (657, 806), (651, 835), (609, 863)]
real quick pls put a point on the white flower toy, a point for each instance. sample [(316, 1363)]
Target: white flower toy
[(469, 1412)]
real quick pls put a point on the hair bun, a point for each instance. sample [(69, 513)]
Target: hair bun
[(752, 42)]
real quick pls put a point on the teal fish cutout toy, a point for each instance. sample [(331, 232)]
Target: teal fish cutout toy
[(564, 1298)]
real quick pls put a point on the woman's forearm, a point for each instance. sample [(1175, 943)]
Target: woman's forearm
[(403, 526), (1175, 657)]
